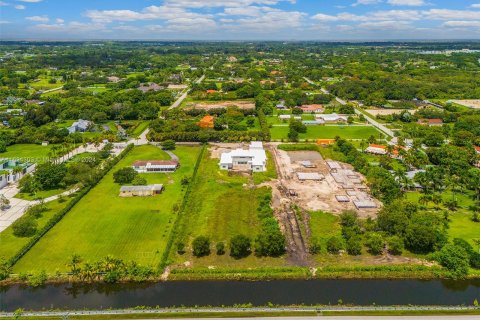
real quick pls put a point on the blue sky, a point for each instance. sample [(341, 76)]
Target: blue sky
[(240, 19)]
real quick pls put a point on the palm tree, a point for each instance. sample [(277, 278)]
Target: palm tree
[(75, 259)]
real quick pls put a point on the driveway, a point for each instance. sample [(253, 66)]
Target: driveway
[(16, 210)]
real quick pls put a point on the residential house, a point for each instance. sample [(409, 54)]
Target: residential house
[(13, 170), (155, 166), (80, 126), (313, 122), (141, 191), (376, 149), (281, 105), (331, 118), (315, 108), (150, 87), (254, 159), (113, 79), (207, 122)]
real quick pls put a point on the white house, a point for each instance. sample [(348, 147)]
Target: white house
[(9, 172), (152, 166), (254, 158), (376, 149), (80, 126), (141, 191), (331, 117)]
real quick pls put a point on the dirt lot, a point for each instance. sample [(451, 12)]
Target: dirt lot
[(474, 104), (321, 195), (387, 112), (221, 105)]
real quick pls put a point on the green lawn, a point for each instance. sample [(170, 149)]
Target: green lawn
[(323, 226), (43, 84), (462, 226), (329, 132), (221, 205), (39, 194), (104, 224), (10, 244), (32, 152)]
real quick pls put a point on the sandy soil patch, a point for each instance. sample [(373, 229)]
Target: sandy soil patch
[(221, 105), (387, 112), (474, 104), (321, 195)]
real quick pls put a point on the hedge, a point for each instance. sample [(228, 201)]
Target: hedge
[(57, 217)]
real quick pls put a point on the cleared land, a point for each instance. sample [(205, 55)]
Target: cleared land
[(104, 224), (473, 104), (328, 132), (220, 105), (387, 112), (222, 205)]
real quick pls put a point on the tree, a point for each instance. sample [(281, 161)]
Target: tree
[(240, 246), (334, 245), (5, 269), (220, 248), (139, 181), (75, 260), (354, 246), (168, 145), (124, 175), (270, 242), (395, 245), (455, 259), (375, 243), (425, 233), (201, 246), (24, 227), (50, 176)]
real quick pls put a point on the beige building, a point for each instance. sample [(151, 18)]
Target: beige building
[(141, 191)]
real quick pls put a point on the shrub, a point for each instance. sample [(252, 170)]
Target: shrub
[(201, 246), (49, 176), (455, 259), (180, 248), (139, 181), (354, 246), (240, 246), (168, 144), (25, 227), (375, 243), (334, 245), (220, 248), (395, 245), (315, 247), (124, 175)]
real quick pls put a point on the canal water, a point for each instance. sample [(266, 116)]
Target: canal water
[(229, 293)]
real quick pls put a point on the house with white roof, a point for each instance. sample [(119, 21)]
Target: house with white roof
[(80, 126), (254, 159), (331, 117)]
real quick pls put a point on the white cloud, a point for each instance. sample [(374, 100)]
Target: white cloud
[(4, 22), (462, 24), (148, 13), (413, 3), (20, 7), (38, 18), (366, 2), (3, 4), (220, 3), (58, 20), (475, 6), (31, 1)]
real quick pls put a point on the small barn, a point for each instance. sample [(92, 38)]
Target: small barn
[(141, 191)]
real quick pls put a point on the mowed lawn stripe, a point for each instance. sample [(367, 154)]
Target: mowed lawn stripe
[(104, 224)]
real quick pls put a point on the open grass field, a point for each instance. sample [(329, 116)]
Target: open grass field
[(10, 244), (221, 206), (323, 225), (462, 226), (328, 132), (104, 224), (39, 194), (43, 84), (32, 152)]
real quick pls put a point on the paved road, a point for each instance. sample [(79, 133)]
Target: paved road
[(239, 311), (373, 122)]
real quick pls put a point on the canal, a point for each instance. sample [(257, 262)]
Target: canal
[(230, 293)]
